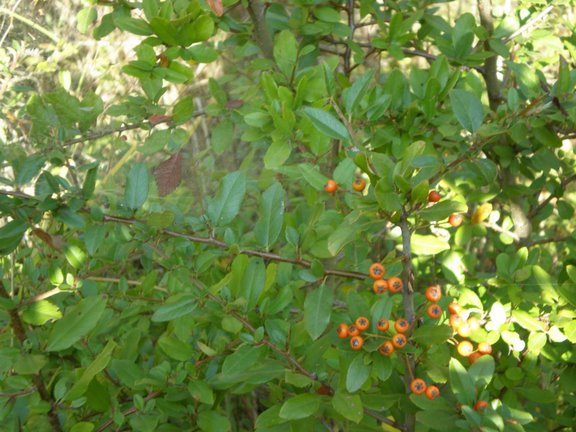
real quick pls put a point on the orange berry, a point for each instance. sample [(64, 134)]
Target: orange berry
[(331, 186), (402, 325), (456, 321), (359, 184), (455, 220), (380, 286), (473, 323), (376, 271), (481, 404), (342, 331), (356, 342), (434, 196), (395, 284), (383, 325), (434, 311), (432, 392), (455, 308), (474, 356), (386, 349), (399, 340), (418, 386), (433, 293), (353, 331), (362, 323), (484, 348), (465, 348), (464, 330)]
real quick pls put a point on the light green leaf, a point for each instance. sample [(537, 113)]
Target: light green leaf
[(318, 310), (432, 334), (357, 374), (224, 207), (299, 407), (278, 153), (98, 364), (428, 244), (77, 322), (326, 123), (39, 313), (467, 108), (271, 213), (137, 186), (286, 52), (442, 210), (348, 406), (482, 370), (175, 307), (354, 94), (313, 176)]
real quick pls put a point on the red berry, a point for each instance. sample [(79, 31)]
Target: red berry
[(386, 349), (432, 392), (455, 220), (383, 325), (362, 323), (401, 325), (331, 186), (434, 311), (380, 286), (434, 196), (395, 284)]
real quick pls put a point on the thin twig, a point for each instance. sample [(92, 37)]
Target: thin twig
[(501, 230), (550, 197), (129, 411), (530, 23)]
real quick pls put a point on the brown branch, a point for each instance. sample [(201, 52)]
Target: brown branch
[(501, 230), (490, 73), (257, 13), (530, 23), (545, 202), (221, 245), (129, 411), (37, 379), (550, 240)]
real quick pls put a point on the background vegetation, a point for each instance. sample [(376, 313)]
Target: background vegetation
[(170, 259)]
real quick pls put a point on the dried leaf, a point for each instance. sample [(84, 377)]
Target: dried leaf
[(168, 174), (54, 242), (234, 103), (155, 119), (217, 7)]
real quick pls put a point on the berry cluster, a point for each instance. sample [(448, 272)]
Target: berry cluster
[(464, 329), (455, 219), (393, 284), (418, 386), (358, 185), (354, 332)]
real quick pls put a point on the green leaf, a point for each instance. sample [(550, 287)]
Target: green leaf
[(98, 364), (224, 207), (175, 307), (326, 123), (354, 94), (201, 392), (39, 313), (318, 310), (90, 181), (183, 110), (278, 153), (253, 282), (527, 321), (432, 334), (428, 244), (75, 256), (348, 406), (442, 210), (132, 25), (77, 322), (29, 169), (199, 30), (467, 108), (165, 30), (286, 52), (482, 370), (137, 185), (461, 382), (313, 176), (269, 225), (85, 18), (437, 420), (11, 234), (344, 234), (299, 407), (357, 374), (242, 359), (222, 136), (212, 421), (175, 348)]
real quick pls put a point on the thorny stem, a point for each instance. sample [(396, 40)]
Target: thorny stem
[(37, 379)]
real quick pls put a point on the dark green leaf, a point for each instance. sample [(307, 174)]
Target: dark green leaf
[(76, 323), (326, 123), (175, 307), (299, 407), (317, 310), (348, 406), (467, 108), (223, 208), (357, 374), (461, 382), (137, 185), (269, 225)]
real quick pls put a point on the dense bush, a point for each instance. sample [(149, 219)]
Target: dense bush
[(193, 256)]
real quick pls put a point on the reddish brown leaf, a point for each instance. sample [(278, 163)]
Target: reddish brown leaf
[(54, 242), (216, 6), (155, 119), (234, 103), (168, 174)]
